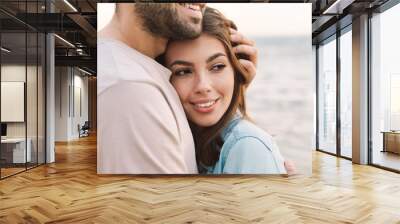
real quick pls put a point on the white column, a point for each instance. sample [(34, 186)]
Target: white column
[(50, 92), (360, 90), (50, 99)]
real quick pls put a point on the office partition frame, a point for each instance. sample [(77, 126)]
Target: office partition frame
[(43, 54)]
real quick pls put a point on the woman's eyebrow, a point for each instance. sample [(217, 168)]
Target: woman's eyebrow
[(180, 62), (214, 56)]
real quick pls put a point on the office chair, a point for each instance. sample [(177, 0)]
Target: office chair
[(84, 130)]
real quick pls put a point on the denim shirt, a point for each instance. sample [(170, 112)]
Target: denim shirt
[(247, 149)]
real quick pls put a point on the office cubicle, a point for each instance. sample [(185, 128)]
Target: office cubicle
[(22, 78)]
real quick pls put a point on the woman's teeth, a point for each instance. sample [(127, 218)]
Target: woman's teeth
[(205, 105), (191, 6)]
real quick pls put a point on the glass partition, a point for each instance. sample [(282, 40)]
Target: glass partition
[(22, 88), (13, 110), (385, 79), (346, 93), (32, 86), (327, 95), (31, 100)]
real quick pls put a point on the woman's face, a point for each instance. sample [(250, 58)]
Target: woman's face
[(202, 76)]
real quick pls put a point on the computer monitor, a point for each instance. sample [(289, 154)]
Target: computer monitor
[(3, 129)]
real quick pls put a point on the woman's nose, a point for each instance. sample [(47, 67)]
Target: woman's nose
[(203, 84)]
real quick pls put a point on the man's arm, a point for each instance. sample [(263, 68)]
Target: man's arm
[(138, 133)]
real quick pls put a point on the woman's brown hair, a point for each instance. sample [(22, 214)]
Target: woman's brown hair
[(208, 141)]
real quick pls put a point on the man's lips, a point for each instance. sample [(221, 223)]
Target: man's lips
[(193, 6)]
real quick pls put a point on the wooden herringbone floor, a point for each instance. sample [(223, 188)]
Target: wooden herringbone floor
[(69, 191)]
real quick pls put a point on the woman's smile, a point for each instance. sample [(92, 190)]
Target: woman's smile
[(204, 106)]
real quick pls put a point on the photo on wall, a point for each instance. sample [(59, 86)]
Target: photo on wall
[(222, 88)]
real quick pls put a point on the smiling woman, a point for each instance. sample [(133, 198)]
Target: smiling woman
[(204, 79), (210, 82)]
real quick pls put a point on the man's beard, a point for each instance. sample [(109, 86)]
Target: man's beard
[(163, 20)]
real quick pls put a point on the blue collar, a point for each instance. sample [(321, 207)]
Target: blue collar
[(231, 124)]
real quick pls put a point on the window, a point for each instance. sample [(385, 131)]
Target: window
[(395, 102), (385, 87), (327, 96), (346, 93)]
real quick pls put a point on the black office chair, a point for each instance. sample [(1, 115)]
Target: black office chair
[(84, 130)]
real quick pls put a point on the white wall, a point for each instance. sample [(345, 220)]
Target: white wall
[(15, 72), (70, 83), (62, 81), (79, 117), (33, 126)]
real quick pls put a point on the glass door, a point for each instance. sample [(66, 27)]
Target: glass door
[(346, 92), (327, 96)]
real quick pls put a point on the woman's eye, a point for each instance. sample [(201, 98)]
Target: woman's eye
[(182, 72), (218, 67)]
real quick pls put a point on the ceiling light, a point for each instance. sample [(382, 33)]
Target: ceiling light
[(65, 41), (84, 71), (70, 5), (5, 50), (338, 6)]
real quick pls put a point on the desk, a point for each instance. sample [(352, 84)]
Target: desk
[(391, 141), (15, 148)]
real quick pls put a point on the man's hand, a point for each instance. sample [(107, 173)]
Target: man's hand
[(290, 167), (246, 46)]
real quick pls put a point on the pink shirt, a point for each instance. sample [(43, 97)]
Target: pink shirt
[(142, 128)]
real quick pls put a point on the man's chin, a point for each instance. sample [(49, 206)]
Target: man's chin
[(189, 33), (195, 33), (184, 37)]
